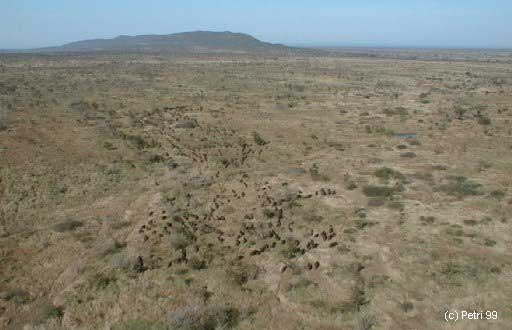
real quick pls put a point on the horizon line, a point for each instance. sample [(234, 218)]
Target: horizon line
[(308, 44)]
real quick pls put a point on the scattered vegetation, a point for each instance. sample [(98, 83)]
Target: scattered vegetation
[(461, 187), (237, 200)]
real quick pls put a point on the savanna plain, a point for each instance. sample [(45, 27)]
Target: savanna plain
[(241, 192)]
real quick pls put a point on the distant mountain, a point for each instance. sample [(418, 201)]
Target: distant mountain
[(186, 42)]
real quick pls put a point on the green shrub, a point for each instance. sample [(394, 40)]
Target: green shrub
[(180, 239), (460, 112), (489, 242), (484, 120), (109, 145), (376, 201), (196, 263), (18, 296), (498, 194), (269, 213), (101, 281), (68, 225), (408, 154), (52, 312), (243, 274), (378, 191), (258, 139), (397, 205), (315, 174), (396, 111), (187, 124), (387, 173), (156, 159), (139, 142), (439, 167), (428, 219), (290, 249), (460, 186)]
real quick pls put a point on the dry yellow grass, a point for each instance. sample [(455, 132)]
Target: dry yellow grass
[(248, 193)]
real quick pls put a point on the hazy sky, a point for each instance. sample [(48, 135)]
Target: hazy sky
[(442, 23)]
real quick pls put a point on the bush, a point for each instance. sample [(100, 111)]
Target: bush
[(461, 187), (187, 124), (460, 112), (156, 159), (315, 174), (139, 142), (396, 111), (101, 281), (376, 201), (484, 120), (109, 145), (68, 225), (258, 139), (52, 312), (397, 205), (18, 296), (242, 275), (439, 167), (269, 213), (196, 263), (109, 246), (498, 194), (387, 173), (409, 154), (180, 240), (290, 249), (378, 191)]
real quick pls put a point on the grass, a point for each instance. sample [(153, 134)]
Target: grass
[(134, 156), (204, 318), (140, 325)]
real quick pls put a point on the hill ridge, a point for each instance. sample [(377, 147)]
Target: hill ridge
[(192, 41)]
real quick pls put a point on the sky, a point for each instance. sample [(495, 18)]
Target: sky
[(387, 23)]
